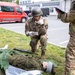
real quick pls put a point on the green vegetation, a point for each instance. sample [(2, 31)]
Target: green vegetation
[(15, 40), (17, 1)]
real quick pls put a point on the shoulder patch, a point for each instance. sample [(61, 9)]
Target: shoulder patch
[(26, 23)]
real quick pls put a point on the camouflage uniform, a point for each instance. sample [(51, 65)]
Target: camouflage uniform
[(25, 62), (31, 25), (70, 52), (31, 63)]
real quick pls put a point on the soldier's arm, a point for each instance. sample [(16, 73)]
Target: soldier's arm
[(46, 24), (67, 17), (63, 17), (44, 27), (71, 16), (27, 29)]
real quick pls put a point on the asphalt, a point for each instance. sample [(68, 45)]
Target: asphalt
[(57, 31)]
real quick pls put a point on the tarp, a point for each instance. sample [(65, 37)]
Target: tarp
[(17, 71)]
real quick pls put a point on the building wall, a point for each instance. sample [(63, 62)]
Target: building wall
[(24, 1), (51, 4), (65, 6)]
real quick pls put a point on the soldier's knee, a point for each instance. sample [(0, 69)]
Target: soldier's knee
[(43, 39), (32, 43)]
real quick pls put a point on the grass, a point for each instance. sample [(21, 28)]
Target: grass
[(53, 53)]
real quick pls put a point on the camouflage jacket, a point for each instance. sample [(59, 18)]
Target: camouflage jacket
[(31, 25), (25, 62), (69, 18)]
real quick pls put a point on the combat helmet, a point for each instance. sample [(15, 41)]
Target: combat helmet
[(36, 12)]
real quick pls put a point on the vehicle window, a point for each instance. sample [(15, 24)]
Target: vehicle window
[(0, 8), (18, 10), (7, 9)]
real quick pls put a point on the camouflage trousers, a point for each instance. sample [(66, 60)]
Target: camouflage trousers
[(43, 42), (70, 58)]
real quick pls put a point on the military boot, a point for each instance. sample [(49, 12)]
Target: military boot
[(43, 55)]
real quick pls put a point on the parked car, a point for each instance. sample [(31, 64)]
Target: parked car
[(11, 12)]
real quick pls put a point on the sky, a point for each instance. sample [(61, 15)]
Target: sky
[(39, 0)]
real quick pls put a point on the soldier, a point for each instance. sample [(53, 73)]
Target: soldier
[(31, 63), (36, 27), (25, 62), (70, 52)]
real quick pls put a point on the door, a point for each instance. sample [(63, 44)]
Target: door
[(18, 13)]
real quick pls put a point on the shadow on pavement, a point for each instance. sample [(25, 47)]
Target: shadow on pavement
[(7, 22)]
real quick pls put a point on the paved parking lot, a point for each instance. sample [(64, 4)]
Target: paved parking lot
[(57, 31)]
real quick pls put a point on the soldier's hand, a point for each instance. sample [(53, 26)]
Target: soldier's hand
[(32, 33)]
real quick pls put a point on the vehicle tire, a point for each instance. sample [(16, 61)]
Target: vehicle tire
[(23, 20), (17, 22)]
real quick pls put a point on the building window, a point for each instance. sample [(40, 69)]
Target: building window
[(51, 9), (28, 1), (23, 2), (20, 2)]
